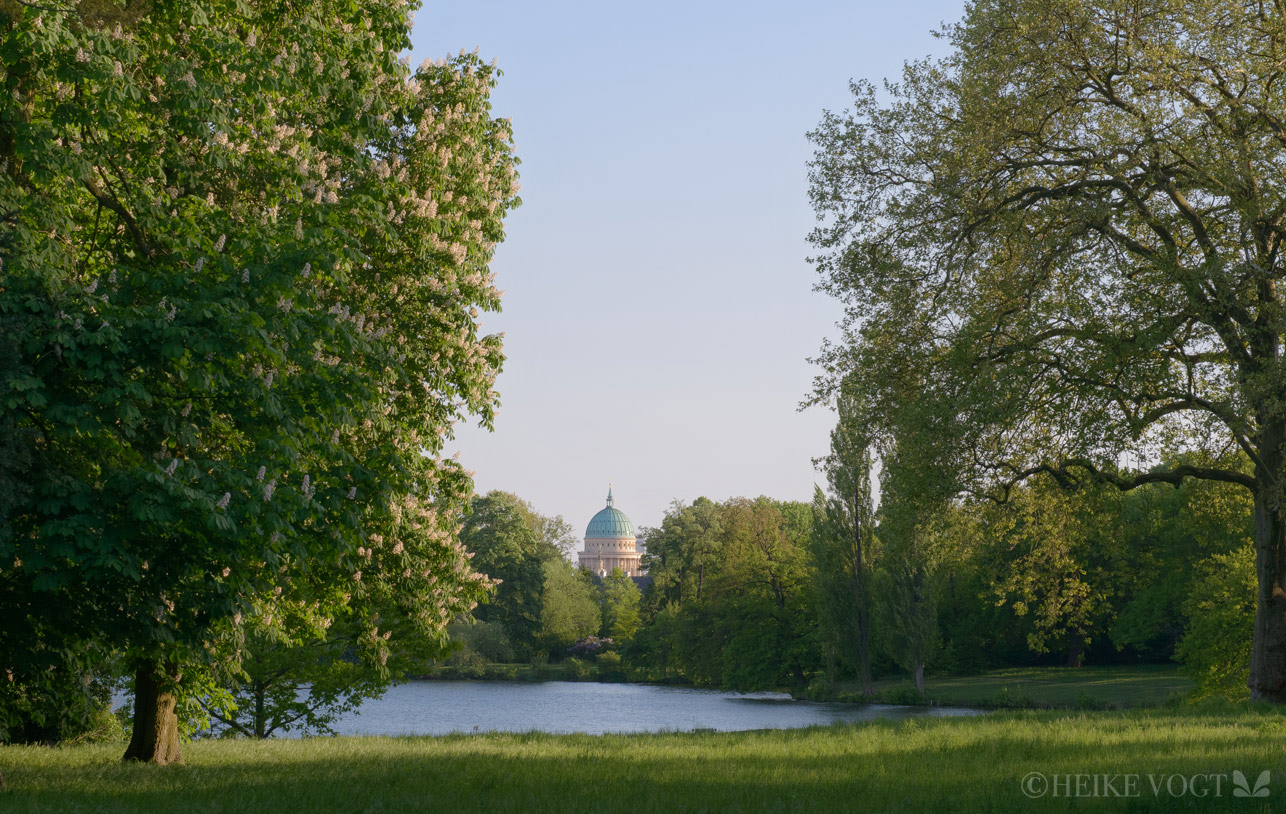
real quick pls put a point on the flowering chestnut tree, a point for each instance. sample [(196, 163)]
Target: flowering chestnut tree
[(244, 250)]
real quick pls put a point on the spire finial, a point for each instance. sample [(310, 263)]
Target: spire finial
[(610, 501)]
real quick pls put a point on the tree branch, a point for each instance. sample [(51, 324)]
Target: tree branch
[(140, 242)]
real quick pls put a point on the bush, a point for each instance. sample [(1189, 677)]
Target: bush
[(55, 706), (505, 672), (590, 646), (577, 670), (485, 639), (104, 726), (907, 696), (609, 667), (471, 665), (820, 689), (1004, 699), (1086, 701)]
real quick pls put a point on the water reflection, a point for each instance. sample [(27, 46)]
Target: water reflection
[(441, 707)]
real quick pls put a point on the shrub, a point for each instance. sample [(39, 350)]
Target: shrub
[(577, 670), (472, 665), (907, 696), (820, 689), (609, 667), (590, 646), (1004, 699)]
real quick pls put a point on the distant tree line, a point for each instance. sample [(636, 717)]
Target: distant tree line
[(756, 594), (545, 609)]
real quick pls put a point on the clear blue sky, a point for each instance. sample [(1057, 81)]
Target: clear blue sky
[(659, 308)]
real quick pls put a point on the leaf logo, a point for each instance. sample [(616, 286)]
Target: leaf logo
[(1243, 787)]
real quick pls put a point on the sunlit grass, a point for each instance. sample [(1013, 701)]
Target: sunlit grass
[(971, 764)]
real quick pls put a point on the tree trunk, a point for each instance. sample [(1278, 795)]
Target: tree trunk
[(919, 676), (801, 680), (261, 716), (1268, 651), (1074, 653), (156, 726)]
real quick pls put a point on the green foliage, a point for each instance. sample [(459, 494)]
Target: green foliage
[(620, 607), (609, 666), (65, 702), (1170, 531), (738, 598), (731, 602), (570, 610), (1051, 576), (509, 540), (1065, 566), (1052, 249), (655, 651), (303, 681), (678, 553), (241, 282), (487, 639), (907, 614), (915, 528), (843, 547), (577, 670), (1215, 648)]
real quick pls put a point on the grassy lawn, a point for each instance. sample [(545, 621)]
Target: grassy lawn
[(1083, 687), (973, 764)]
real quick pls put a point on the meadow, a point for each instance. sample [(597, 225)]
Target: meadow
[(1106, 687), (978, 764)]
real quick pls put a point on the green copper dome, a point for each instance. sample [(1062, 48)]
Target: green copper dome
[(611, 523)]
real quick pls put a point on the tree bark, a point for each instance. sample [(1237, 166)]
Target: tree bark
[(261, 717), (1074, 653), (919, 676), (1268, 652), (156, 726)]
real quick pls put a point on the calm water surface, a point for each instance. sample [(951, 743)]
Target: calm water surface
[(440, 707)]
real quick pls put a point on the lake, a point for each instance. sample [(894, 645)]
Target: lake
[(441, 707)]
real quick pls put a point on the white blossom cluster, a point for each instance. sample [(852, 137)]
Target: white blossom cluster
[(319, 139)]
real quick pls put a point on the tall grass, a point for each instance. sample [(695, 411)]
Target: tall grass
[(974, 764)]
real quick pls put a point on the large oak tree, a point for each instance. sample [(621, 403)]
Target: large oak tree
[(1062, 243)]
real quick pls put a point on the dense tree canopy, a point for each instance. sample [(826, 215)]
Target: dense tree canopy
[(759, 594), (731, 602), (1062, 243), (244, 248), (512, 545)]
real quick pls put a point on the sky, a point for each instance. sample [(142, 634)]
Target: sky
[(658, 308)]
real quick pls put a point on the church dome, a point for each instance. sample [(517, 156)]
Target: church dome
[(610, 523)]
